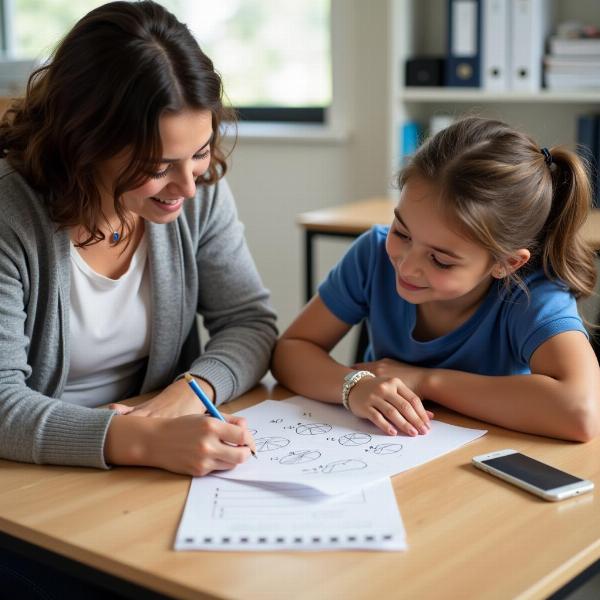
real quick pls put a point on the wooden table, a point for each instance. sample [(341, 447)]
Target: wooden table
[(352, 219), (470, 535)]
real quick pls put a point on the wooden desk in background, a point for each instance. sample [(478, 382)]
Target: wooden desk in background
[(470, 535), (352, 219)]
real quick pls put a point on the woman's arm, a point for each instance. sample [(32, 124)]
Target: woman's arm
[(302, 363), (560, 398), (35, 427), (232, 300)]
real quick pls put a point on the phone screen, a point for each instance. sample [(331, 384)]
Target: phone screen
[(532, 471)]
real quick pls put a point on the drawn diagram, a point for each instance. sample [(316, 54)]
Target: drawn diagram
[(348, 464), (300, 456), (355, 439), (387, 448), (253, 431), (267, 444), (313, 429)]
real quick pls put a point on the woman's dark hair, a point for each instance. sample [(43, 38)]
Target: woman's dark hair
[(505, 193), (108, 82)]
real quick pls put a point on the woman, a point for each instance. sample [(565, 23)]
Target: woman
[(116, 229)]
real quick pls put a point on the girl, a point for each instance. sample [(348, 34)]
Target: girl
[(116, 229), (469, 296)]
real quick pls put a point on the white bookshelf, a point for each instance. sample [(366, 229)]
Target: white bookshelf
[(418, 28), (436, 94)]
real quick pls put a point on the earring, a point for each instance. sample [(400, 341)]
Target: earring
[(499, 273)]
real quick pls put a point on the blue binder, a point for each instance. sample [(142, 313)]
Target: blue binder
[(411, 134), (463, 64)]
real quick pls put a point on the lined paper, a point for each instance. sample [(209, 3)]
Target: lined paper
[(231, 515)]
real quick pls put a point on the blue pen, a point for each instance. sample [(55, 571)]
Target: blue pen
[(210, 407)]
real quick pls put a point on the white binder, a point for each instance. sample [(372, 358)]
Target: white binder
[(496, 45), (530, 23)]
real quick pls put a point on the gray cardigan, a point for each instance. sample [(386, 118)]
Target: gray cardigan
[(198, 264)]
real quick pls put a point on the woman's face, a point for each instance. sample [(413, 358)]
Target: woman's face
[(185, 138)]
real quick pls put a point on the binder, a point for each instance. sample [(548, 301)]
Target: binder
[(588, 140), (411, 134), (463, 64), (530, 24), (495, 36)]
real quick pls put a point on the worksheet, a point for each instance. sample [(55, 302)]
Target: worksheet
[(231, 515), (326, 447)]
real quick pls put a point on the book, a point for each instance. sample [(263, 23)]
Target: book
[(575, 46), (571, 81)]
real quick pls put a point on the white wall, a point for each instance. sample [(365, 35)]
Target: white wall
[(275, 180)]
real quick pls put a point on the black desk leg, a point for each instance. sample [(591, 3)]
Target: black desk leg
[(308, 264)]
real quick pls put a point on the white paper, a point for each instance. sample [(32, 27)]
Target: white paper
[(326, 447), (230, 515)]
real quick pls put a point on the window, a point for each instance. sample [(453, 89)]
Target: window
[(274, 55)]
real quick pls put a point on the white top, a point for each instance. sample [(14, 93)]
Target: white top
[(110, 331)]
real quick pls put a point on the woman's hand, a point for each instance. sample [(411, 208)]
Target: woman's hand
[(196, 445), (389, 404), (176, 400), (191, 445)]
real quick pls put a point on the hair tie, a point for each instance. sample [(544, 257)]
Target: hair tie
[(547, 156)]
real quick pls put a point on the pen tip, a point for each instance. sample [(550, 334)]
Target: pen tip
[(188, 377)]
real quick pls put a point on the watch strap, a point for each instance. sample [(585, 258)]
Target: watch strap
[(350, 380)]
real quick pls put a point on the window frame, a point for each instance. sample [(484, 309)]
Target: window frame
[(298, 115)]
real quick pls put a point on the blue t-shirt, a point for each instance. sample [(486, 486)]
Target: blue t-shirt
[(498, 339)]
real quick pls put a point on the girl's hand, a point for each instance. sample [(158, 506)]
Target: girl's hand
[(386, 367), (389, 404), (176, 400)]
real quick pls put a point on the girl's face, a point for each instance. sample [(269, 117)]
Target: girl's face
[(432, 261), (185, 138)]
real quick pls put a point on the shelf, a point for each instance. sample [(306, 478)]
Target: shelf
[(441, 94)]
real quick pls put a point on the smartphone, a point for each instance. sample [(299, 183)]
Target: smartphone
[(532, 475)]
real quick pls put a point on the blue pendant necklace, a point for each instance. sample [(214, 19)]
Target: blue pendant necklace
[(115, 236)]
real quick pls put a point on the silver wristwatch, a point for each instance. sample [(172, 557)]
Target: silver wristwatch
[(350, 380)]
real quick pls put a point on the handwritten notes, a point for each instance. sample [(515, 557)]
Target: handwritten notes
[(325, 447)]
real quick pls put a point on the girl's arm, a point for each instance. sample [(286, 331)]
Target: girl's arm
[(560, 398), (301, 362)]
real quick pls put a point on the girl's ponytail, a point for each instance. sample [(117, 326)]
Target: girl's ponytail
[(565, 254)]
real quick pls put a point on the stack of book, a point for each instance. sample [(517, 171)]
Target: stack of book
[(573, 63)]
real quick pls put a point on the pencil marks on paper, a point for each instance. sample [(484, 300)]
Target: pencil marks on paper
[(331, 450), (387, 448), (354, 439), (313, 429), (348, 464), (300, 456), (267, 444)]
